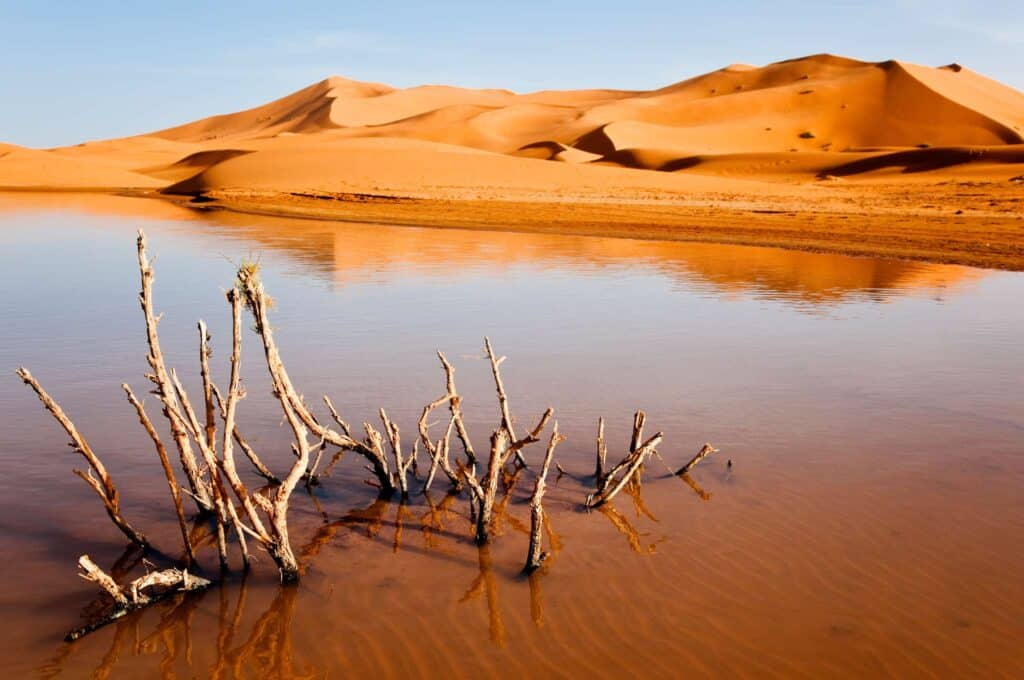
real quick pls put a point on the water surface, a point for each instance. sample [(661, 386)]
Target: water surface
[(872, 522)]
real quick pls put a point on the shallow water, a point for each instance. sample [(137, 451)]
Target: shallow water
[(872, 522)]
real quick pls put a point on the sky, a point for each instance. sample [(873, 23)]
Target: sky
[(77, 71)]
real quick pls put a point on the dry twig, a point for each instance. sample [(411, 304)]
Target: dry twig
[(104, 486), (535, 555), (132, 596), (201, 491), (704, 452)]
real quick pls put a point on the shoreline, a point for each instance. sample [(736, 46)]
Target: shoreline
[(976, 237), (977, 240)]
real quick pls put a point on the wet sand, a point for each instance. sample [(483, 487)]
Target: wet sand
[(960, 222)]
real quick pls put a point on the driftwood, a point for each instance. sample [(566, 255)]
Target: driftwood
[(274, 535), (502, 450), (438, 451), (455, 407), (160, 378), (132, 596), (612, 482), (402, 464), (103, 486), (261, 469), (535, 554), (704, 452), (165, 464), (256, 300), (602, 451), (217, 490), (506, 417)]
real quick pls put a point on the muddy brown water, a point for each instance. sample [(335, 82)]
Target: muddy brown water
[(871, 523)]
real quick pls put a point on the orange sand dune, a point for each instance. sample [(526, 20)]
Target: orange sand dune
[(793, 137), (741, 120), (32, 168)]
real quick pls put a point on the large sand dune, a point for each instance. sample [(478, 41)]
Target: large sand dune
[(742, 137)]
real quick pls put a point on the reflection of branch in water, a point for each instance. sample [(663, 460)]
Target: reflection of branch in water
[(122, 629), (177, 616), (626, 529), (554, 540), (704, 495), (633, 490), (372, 516), (484, 582), (432, 522), (536, 599), (400, 514), (269, 645)]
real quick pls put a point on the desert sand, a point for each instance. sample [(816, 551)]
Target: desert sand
[(820, 153)]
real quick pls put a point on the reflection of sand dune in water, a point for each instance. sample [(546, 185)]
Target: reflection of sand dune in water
[(354, 253), (358, 252)]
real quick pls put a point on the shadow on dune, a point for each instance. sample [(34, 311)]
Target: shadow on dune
[(923, 160)]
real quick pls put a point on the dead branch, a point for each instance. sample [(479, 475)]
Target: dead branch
[(704, 452), (502, 450), (131, 597), (261, 469), (535, 555), (217, 489), (506, 417), (602, 451), (438, 452), (402, 464), (337, 418), (256, 300), (204, 371), (455, 407), (104, 486), (159, 377), (276, 541), (615, 479), (639, 419), (161, 452)]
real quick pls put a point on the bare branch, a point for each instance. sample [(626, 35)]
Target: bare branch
[(506, 417), (455, 407), (704, 452), (161, 452), (131, 597), (164, 390), (104, 486), (256, 300), (535, 555)]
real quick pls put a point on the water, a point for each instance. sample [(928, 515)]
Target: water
[(871, 522)]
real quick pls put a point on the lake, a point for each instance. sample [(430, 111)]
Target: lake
[(864, 516)]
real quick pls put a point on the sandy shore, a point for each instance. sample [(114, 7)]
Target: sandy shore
[(881, 220)]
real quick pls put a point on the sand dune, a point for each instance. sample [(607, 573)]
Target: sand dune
[(729, 121), (32, 168), (731, 139)]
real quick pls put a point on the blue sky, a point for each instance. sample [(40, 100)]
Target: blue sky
[(75, 71)]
